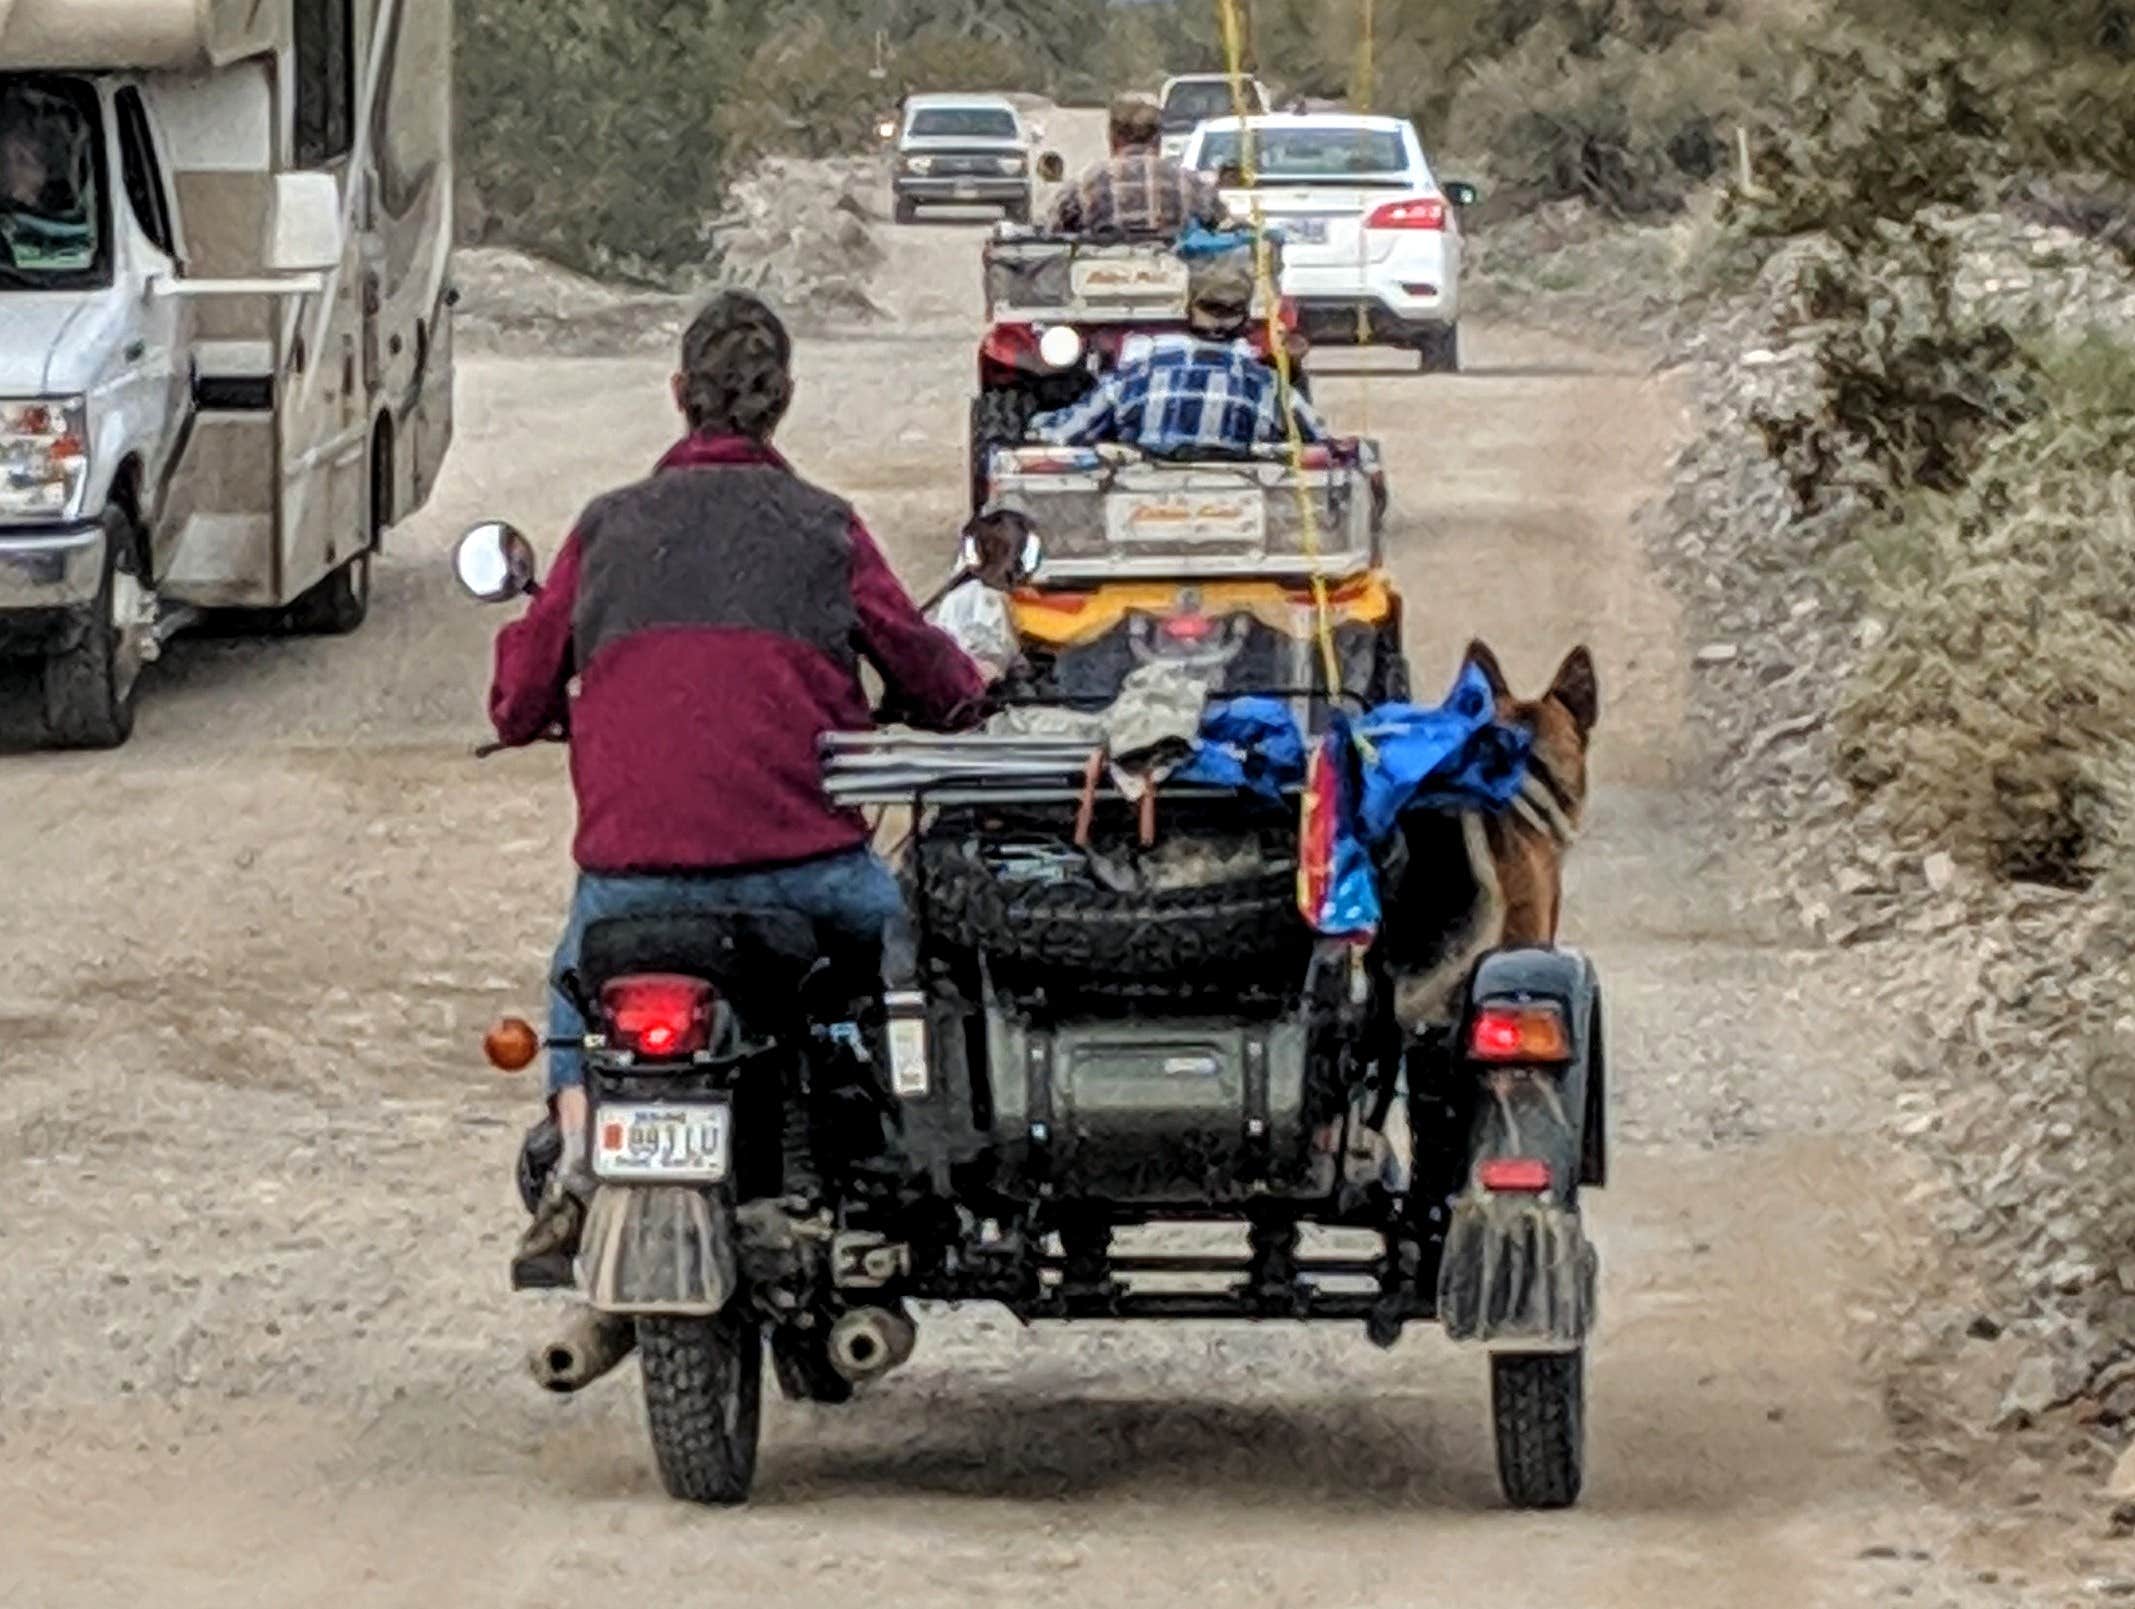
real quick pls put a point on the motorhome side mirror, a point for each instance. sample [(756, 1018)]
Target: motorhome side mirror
[(1052, 168), (1462, 194), (303, 224), (495, 562)]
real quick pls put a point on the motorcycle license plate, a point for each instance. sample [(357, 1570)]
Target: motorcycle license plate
[(662, 1144)]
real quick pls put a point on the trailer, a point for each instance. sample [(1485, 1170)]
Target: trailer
[(225, 321)]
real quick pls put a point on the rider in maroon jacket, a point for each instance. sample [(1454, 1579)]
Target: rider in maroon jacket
[(700, 630)]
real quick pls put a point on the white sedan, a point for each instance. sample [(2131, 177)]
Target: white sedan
[(1371, 240)]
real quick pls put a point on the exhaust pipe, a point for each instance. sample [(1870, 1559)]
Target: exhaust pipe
[(867, 1342), (587, 1347)]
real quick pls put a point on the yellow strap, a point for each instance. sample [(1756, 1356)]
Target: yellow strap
[(1278, 347)]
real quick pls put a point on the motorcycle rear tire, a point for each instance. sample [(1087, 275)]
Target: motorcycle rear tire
[(704, 1402)]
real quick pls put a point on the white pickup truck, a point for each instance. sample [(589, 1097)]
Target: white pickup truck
[(225, 320)]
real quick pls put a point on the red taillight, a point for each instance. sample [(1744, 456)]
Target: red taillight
[(1187, 628), (1428, 213), (659, 1015), (1517, 1032), (1009, 346), (1518, 1175)]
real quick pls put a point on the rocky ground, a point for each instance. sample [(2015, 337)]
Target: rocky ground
[(802, 234), (2010, 1359)]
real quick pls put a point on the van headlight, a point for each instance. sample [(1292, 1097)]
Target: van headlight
[(1010, 164), (44, 458), (919, 164)]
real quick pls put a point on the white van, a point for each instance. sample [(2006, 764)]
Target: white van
[(225, 320)]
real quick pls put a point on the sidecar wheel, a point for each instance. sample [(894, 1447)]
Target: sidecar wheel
[(1538, 1406), (704, 1402)]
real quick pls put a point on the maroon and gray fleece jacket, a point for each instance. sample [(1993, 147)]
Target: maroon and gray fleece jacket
[(713, 619)]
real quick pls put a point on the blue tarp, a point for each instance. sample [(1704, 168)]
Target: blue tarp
[(1456, 756), (1201, 241), (1395, 758)]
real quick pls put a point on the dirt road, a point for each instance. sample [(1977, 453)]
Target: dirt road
[(255, 1345)]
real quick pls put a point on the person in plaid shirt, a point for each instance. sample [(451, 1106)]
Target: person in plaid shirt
[(1137, 190), (1186, 395)]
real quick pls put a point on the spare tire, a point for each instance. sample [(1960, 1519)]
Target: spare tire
[(1088, 931)]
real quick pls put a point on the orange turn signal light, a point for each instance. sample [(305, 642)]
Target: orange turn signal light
[(511, 1045), (1519, 1032)]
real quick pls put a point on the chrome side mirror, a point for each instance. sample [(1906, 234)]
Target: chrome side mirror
[(1052, 168), (495, 562)]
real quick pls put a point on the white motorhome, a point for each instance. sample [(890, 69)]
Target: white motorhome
[(225, 320)]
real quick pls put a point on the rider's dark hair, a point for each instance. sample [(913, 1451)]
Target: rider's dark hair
[(737, 367)]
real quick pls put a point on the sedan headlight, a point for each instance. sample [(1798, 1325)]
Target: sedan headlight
[(918, 164), (44, 458)]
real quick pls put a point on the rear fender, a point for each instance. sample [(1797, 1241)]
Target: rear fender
[(658, 1249), (1517, 1271), (1558, 1114)]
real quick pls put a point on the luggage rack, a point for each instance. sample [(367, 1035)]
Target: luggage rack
[(887, 768), (897, 765)]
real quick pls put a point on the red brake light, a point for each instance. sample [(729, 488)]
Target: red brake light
[(1503, 1032), (1427, 213), (1188, 628), (659, 1015), (1009, 346), (1522, 1175)]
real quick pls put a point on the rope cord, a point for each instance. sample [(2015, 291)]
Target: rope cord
[(1278, 345)]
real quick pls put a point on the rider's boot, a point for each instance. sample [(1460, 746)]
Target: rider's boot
[(547, 1256)]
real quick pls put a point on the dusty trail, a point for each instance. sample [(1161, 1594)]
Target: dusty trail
[(254, 1342)]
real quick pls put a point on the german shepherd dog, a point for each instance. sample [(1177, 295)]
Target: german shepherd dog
[(1473, 882)]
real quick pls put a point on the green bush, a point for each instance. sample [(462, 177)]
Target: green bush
[(589, 133), (1632, 130)]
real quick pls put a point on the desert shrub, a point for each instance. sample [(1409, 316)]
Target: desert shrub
[(1630, 129), (1911, 388), (1994, 715), (589, 133)]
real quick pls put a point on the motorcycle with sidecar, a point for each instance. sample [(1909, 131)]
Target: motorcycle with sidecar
[(1113, 1026)]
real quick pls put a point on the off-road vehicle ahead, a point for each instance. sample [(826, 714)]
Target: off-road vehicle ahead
[(963, 151), (1058, 309)]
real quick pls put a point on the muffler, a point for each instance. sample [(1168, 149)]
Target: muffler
[(586, 1348), (865, 1343)]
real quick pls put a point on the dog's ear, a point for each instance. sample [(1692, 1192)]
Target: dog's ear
[(1577, 689), (1480, 656)]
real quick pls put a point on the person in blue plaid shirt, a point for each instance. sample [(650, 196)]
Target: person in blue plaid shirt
[(1181, 396)]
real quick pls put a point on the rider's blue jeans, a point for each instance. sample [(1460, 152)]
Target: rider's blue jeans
[(854, 891)]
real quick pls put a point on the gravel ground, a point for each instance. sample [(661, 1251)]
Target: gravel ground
[(255, 1345)]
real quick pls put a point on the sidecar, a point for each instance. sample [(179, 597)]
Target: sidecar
[(1122, 1036)]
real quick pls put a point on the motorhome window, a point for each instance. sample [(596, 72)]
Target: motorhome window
[(325, 81), (142, 173), (52, 210)]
